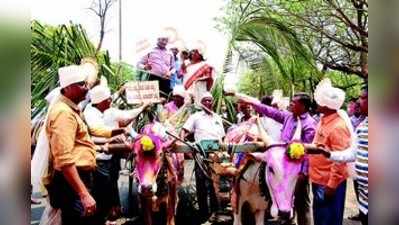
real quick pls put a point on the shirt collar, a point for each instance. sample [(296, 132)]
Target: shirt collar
[(208, 115), (69, 102), (329, 118), (159, 49)]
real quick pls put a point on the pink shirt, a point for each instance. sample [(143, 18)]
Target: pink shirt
[(171, 107), (161, 61)]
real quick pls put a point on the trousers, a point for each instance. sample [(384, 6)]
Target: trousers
[(328, 210), (62, 196)]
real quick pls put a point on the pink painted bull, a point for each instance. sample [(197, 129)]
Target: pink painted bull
[(155, 176), (280, 175)]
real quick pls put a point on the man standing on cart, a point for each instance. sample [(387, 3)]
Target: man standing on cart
[(160, 65), (205, 125)]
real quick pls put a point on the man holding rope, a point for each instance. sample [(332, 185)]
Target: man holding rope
[(205, 125)]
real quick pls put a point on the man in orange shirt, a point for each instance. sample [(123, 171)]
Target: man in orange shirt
[(329, 178)]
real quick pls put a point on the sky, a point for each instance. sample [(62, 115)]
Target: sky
[(193, 21)]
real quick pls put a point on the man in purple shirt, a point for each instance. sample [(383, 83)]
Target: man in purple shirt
[(299, 107), (160, 64)]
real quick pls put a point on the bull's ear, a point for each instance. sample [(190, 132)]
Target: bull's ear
[(259, 156)]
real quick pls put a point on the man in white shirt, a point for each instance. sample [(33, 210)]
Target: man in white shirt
[(205, 125), (104, 125)]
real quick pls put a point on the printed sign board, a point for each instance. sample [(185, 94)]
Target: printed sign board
[(138, 92)]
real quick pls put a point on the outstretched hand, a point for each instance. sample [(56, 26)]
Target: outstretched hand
[(146, 104), (314, 149), (247, 99), (249, 156), (122, 88)]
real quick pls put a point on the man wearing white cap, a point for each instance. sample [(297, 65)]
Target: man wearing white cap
[(170, 110), (299, 109), (178, 96), (206, 126), (72, 152), (104, 131), (328, 177), (160, 64), (358, 152), (104, 120), (100, 98)]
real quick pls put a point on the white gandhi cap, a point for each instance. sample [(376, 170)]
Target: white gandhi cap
[(71, 74), (99, 93)]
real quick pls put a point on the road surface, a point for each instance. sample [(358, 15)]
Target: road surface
[(350, 204)]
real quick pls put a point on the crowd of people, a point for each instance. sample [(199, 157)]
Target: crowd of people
[(87, 137)]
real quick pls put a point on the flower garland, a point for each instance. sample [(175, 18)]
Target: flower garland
[(295, 150), (146, 143)]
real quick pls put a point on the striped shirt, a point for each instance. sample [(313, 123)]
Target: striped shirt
[(359, 154), (362, 164)]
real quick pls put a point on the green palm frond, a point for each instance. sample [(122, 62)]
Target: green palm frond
[(54, 47)]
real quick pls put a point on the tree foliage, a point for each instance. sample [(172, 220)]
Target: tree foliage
[(54, 47), (291, 45), (336, 31)]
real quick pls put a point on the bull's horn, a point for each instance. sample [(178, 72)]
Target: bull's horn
[(298, 131)]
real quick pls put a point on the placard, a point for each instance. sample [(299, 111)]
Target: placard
[(138, 92)]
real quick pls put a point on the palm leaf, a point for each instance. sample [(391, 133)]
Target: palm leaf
[(54, 47)]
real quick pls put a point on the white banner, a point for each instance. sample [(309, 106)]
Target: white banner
[(138, 92)]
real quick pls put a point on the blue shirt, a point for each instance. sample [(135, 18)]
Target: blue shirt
[(174, 79)]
